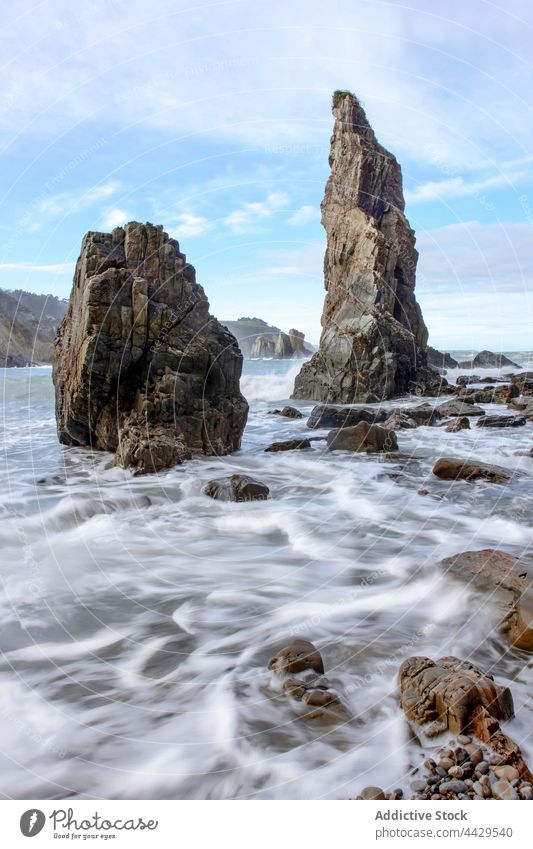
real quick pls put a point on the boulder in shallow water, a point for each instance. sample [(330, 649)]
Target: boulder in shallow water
[(237, 488), (423, 414), (140, 366), (399, 421), (289, 445), (488, 569), (447, 693), (297, 657), (327, 415), (363, 437), (451, 469), (459, 423), (289, 413), (501, 421)]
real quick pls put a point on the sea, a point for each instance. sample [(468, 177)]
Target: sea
[(137, 615)]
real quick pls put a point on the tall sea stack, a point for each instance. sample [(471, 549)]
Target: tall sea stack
[(140, 366), (374, 338)]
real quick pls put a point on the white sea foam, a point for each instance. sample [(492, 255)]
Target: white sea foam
[(138, 615)]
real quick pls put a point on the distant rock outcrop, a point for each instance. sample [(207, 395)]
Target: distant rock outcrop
[(259, 340), (373, 343), (488, 359), (437, 359), (140, 366), (28, 324)]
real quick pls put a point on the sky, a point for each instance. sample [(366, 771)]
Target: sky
[(214, 119)]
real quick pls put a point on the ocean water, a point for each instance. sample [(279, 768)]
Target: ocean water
[(137, 615)]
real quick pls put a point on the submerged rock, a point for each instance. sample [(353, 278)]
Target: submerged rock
[(301, 658), (326, 415), (457, 407), (501, 421), (490, 570), (289, 413), (450, 469), (363, 437), (373, 342), (459, 423), (289, 445), (237, 488), (140, 366)]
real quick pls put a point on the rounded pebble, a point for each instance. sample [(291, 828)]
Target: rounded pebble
[(460, 754), (503, 790), (482, 767), (446, 763), (372, 793), (476, 756), (463, 739), (455, 772)]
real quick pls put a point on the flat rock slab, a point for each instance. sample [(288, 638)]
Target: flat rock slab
[(237, 488), (364, 437), (489, 569), (325, 415), (289, 445), (459, 408), (451, 469), (501, 421)]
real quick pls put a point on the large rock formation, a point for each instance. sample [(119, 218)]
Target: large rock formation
[(374, 337), (140, 366)]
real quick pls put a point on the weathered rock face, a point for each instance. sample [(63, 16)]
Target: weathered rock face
[(263, 348), (451, 469), (140, 366), (374, 338), (440, 360), (363, 437)]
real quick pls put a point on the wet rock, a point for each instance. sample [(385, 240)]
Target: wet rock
[(446, 693), (466, 379), (311, 687), (459, 423), (423, 414), (140, 366), (490, 570), (326, 415), (451, 469), (289, 412), (399, 421), (289, 445), (363, 437), (374, 338), (500, 421), (523, 382), (456, 407), (297, 657), (439, 360), (453, 787), (372, 793), (237, 488)]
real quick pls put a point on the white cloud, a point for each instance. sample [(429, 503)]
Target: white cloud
[(455, 187), (305, 214), (65, 203), (50, 268), (248, 217), (188, 226), (115, 217)]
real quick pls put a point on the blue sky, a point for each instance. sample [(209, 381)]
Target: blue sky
[(214, 120)]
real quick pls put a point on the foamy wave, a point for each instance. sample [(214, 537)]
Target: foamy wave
[(270, 387)]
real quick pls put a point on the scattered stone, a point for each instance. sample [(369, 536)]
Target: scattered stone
[(466, 379), (523, 382), (501, 421), (503, 790), (237, 488), (423, 414), (289, 445), (451, 469), (373, 793), (452, 787), (459, 423), (363, 437), (325, 415)]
